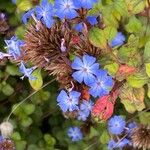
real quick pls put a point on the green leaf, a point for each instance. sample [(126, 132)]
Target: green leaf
[(132, 98), (104, 138), (148, 92), (16, 136), (12, 70), (130, 107), (29, 108), (7, 89), (145, 118), (24, 5), (97, 38), (26, 122), (112, 68), (147, 66), (135, 6), (134, 25), (93, 133), (49, 140), (129, 53), (38, 82), (110, 33), (120, 7), (20, 145), (138, 80), (147, 52), (20, 31)]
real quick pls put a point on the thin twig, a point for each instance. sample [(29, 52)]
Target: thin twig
[(28, 98)]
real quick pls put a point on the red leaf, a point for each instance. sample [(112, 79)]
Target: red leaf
[(104, 106), (126, 70)]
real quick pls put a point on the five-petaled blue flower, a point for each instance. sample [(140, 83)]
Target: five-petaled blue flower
[(118, 40), (86, 69), (75, 134), (27, 15), (65, 9), (45, 13), (116, 125), (26, 71), (14, 45), (102, 84), (68, 101), (84, 3)]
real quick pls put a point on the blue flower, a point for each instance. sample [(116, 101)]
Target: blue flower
[(14, 1), (45, 13), (120, 144), (130, 127), (14, 45), (68, 101), (79, 27), (27, 15), (75, 134), (86, 69), (118, 40), (102, 84), (86, 106), (111, 145), (82, 115), (85, 109), (91, 19), (84, 3), (116, 125), (26, 71), (123, 143), (65, 9)]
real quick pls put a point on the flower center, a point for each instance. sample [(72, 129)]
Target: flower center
[(70, 100), (67, 6)]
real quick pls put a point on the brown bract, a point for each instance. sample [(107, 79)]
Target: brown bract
[(43, 48), (141, 137)]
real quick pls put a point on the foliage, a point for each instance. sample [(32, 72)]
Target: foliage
[(38, 122)]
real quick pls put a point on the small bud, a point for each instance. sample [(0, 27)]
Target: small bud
[(63, 47), (6, 129)]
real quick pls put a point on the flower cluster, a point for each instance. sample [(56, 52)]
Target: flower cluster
[(50, 44), (99, 83), (117, 127), (14, 51), (63, 9), (87, 71)]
